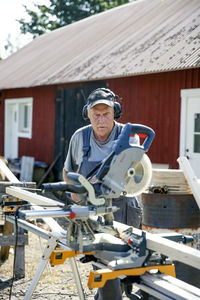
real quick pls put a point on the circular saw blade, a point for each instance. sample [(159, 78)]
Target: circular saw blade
[(138, 177)]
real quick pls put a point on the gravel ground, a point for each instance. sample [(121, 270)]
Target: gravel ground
[(56, 283)]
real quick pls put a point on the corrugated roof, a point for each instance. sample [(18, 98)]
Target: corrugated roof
[(140, 37)]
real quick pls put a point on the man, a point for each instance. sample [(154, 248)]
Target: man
[(89, 145)]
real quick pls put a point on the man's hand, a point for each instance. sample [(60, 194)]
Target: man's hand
[(76, 198)]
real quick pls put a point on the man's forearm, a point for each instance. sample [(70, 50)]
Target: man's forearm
[(65, 176)]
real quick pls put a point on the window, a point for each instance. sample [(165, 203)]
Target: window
[(19, 117), (25, 118), (197, 133)]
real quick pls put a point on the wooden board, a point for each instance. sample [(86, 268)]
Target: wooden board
[(27, 167), (190, 177), (6, 171), (173, 250)]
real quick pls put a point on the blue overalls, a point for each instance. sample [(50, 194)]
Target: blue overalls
[(129, 213)]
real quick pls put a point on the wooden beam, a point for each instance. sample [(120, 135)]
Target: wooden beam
[(190, 177), (9, 175), (173, 250), (172, 178), (33, 198), (10, 240), (37, 200), (27, 167)]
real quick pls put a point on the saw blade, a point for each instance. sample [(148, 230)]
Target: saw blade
[(138, 176)]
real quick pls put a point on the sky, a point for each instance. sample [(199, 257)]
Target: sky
[(10, 10)]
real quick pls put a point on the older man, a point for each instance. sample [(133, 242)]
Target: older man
[(89, 145)]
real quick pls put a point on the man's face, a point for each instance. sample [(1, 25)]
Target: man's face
[(102, 119)]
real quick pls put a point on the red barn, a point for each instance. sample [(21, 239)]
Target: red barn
[(147, 52)]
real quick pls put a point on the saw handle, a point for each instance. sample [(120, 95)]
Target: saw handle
[(62, 186), (131, 129), (73, 177)]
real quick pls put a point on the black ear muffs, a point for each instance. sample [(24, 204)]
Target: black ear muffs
[(117, 110), (85, 113)]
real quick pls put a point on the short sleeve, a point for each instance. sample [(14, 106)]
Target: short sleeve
[(74, 155)]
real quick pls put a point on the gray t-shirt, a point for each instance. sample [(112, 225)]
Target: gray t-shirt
[(99, 150)]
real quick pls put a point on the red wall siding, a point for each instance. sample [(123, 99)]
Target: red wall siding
[(42, 143), (154, 100)]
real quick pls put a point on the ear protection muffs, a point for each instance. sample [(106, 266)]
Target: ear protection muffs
[(117, 105)]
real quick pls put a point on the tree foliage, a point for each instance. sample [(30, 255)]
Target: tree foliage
[(62, 12)]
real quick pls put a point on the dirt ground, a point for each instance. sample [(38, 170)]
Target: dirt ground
[(56, 283)]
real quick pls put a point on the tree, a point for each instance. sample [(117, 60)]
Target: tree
[(62, 12), (10, 47)]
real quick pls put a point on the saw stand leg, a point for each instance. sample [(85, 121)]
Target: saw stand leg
[(51, 244)]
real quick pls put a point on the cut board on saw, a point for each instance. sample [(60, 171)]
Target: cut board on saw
[(7, 172), (191, 178)]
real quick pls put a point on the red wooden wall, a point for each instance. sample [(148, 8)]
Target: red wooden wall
[(42, 143), (154, 100)]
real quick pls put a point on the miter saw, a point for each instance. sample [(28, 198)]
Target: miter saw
[(126, 171)]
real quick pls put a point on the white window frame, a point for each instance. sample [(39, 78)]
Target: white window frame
[(22, 131)]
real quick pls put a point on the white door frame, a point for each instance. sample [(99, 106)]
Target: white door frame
[(10, 130), (21, 116), (185, 95)]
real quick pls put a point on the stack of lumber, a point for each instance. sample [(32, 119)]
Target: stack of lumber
[(173, 179), (183, 181)]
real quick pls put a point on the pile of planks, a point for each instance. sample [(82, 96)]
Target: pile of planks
[(173, 179), (182, 181)]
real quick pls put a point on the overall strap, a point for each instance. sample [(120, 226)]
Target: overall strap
[(86, 132)]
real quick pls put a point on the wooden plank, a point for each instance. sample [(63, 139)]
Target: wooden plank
[(2, 175), (9, 175), (27, 167), (10, 240), (19, 266), (4, 251), (190, 177), (171, 249), (31, 197), (37, 200), (174, 180), (170, 176)]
